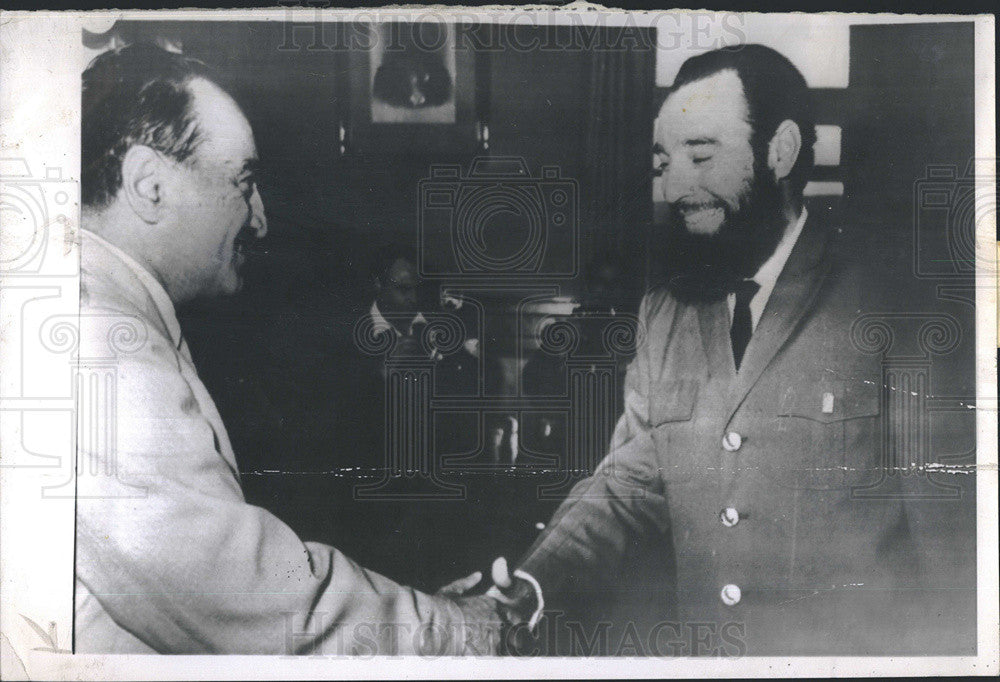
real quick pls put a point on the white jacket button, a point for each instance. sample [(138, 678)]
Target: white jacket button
[(731, 595), (732, 441), (729, 517)]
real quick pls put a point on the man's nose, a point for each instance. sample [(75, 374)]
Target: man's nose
[(679, 180), (258, 220)]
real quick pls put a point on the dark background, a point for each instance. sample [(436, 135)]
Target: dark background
[(279, 359)]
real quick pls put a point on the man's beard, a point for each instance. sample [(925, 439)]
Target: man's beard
[(707, 267)]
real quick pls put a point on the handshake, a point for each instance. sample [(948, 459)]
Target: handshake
[(500, 620)]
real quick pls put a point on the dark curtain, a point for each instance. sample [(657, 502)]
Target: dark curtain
[(616, 195)]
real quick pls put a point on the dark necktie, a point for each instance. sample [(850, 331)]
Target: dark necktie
[(742, 327)]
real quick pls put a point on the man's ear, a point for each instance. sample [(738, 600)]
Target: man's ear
[(783, 151), (142, 182)]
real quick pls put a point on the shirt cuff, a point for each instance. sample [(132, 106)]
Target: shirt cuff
[(533, 621)]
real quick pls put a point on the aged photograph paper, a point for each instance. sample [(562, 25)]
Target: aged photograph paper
[(497, 343)]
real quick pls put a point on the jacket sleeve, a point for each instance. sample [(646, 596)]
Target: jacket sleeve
[(175, 556), (605, 515)]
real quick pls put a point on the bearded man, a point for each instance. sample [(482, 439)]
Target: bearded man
[(752, 426)]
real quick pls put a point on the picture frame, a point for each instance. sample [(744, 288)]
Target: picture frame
[(412, 89)]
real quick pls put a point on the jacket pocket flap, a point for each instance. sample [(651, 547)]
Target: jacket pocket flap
[(672, 401), (831, 401)]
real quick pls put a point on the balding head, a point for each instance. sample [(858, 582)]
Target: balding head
[(170, 175)]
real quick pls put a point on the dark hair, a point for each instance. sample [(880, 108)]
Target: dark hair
[(386, 256), (132, 95), (775, 91)]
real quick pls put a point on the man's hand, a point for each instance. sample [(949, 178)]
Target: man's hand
[(483, 620), (459, 587), (517, 596), (493, 619), (518, 603)]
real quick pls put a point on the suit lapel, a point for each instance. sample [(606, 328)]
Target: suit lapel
[(104, 263), (790, 301), (101, 263)]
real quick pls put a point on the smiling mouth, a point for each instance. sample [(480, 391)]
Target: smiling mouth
[(703, 219), (240, 253), (242, 245)]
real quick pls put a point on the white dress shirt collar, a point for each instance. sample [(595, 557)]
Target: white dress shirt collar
[(768, 273), (155, 290), (380, 324)]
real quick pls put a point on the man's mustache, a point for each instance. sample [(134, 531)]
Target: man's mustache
[(671, 215)]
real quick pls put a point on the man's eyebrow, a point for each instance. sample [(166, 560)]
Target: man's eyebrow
[(698, 141), (658, 148)]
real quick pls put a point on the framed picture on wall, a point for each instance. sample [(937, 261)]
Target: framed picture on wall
[(413, 89)]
